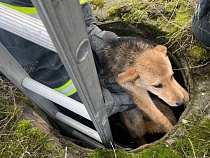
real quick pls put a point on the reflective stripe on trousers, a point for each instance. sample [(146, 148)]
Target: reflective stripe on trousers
[(67, 89), (28, 10)]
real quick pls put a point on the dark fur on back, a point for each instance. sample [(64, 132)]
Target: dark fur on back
[(120, 54)]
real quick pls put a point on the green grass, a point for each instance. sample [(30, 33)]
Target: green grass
[(20, 139), (192, 142), (109, 153), (17, 137)]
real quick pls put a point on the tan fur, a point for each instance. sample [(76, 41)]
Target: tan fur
[(138, 123), (153, 67), (140, 67)]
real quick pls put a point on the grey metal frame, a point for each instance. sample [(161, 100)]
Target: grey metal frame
[(64, 22), (25, 26), (17, 75)]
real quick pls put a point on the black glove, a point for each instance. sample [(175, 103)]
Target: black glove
[(117, 102), (98, 38), (115, 98), (202, 8)]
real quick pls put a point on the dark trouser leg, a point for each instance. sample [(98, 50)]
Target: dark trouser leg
[(201, 28), (42, 64)]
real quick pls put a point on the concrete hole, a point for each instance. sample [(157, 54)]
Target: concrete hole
[(119, 131), (120, 134)]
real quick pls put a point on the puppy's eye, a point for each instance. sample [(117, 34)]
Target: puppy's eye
[(158, 86)]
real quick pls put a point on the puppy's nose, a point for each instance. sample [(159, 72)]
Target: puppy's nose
[(180, 102)]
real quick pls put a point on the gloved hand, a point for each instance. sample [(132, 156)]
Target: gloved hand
[(117, 102), (98, 38), (202, 8), (115, 97)]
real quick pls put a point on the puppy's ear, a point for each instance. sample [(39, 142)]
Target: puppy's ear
[(128, 75), (161, 48)]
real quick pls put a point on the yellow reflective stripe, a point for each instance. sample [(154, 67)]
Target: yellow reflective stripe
[(28, 10), (82, 1), (67, 84), (72, 92), (67, 89), (25, 10)]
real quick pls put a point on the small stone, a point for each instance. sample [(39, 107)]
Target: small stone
[(170, 142), (184, 121)]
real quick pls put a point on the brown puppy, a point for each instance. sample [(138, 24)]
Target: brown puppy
[(139, 67)]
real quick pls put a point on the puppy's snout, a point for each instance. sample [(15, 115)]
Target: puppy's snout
[(180, 102)]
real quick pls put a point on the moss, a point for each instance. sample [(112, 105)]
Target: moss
[(159, 152), (9, 94), (193, 142), (9, 115), (113, 11), (172, 17), (170, 24), (137, 13), (106, 153), (198, 54), (20, 139), (97, 4)]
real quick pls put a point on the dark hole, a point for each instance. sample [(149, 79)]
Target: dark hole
[(120, 134), (119, 131)]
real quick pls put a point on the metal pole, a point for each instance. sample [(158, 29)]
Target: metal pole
[(64, 22), (56, 97), (25, 26), (79, 126), (16, 74)]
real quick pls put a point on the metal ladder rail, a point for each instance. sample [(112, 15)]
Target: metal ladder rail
[(25, 26), (11, 18), (16, 74), (64, 21), (11, 69), (64, 101), (33, 30)]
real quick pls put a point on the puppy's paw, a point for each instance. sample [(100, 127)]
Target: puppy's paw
[(168, 127)]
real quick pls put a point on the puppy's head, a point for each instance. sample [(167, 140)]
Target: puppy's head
[(152, 71)]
